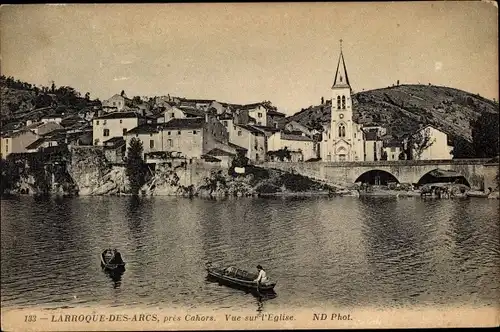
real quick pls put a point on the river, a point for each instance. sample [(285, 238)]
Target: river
[(340, 251)]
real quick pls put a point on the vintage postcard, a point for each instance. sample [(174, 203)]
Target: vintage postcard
[(219, 166)]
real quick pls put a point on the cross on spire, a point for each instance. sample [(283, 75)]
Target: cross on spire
[(340, 44)]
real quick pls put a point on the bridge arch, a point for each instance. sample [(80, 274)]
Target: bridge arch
[(376, 177), (439, 175)]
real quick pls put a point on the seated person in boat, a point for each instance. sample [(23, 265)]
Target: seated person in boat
[(262, 277), (107, 255), (117, 258)]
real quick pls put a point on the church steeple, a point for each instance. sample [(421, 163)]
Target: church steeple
[(341, 79)]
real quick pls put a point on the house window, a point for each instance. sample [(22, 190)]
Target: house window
[(343, 102), (194, 132), (234, 127), (225, 123), (168, 133), (97, 122), (354, 135), (170, 143), (96, 141), (114, 103), (124, 131), (172, 115), (393, 149), (338, 102), (105, 132), (259, 115), (239, 132), (121, 121), (104, 122), (178, 132), (151, 143)]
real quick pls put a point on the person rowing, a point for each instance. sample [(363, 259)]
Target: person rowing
[(262, 277)]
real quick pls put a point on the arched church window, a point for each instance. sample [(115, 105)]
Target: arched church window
[(341, 130), (338, 102), (343, 102)]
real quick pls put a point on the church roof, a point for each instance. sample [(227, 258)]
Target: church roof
[(341, 78)]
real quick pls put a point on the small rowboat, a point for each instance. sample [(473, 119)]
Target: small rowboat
[(111, 263), (238, 278), (479, 194)]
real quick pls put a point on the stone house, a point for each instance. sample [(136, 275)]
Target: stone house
[(303, 147), (437, 144), (113, 125), (275, 119), (17, 142)]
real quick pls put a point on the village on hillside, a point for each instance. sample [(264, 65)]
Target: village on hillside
[(215, 132)]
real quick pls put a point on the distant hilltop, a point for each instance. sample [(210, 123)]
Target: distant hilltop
[(403, 108)]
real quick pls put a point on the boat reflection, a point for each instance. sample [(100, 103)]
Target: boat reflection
[(262, 297), (115, 276)]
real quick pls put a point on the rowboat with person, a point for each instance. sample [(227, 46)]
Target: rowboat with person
[(241, 279), (111, 260)]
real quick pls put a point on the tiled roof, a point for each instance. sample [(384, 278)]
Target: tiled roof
[(219, 152), (250, 128), (291, 137), (209, 158), (119, 115), (237, 147), (266, 128), (191, 111), (115, 141), (35, 144), (196, 100), (275, 113), (189, 123), (143, 129)]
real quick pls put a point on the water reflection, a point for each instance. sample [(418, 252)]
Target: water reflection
[(321, 251), (115, 276)]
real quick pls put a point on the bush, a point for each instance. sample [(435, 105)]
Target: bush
[(267, 188)]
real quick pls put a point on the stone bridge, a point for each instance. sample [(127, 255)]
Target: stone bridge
[(479, 173)]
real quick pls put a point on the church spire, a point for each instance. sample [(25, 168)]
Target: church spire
[(341, 78)]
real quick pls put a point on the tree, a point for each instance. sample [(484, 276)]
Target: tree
[(462, 149), (122, 93), (87, 96), (419, 142), (38, 169), (485, 135), (322, 100), (53, 87), (281, 154), (137, 100), (135, 167), (239, 161), (9, 175)]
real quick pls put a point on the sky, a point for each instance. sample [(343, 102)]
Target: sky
[(242, 53)]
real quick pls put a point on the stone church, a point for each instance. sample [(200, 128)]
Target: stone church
[(343, 139)]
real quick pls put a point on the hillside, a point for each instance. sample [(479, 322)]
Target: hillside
[(403, 108), (20, 101)]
